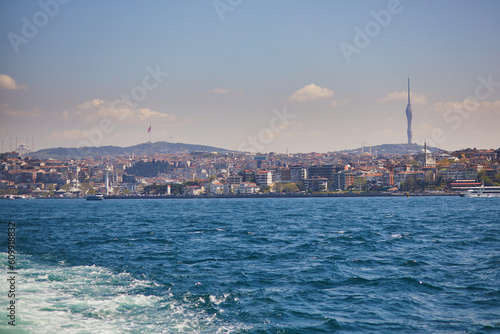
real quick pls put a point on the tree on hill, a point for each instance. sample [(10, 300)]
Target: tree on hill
[(410, 184), (482, 177), (162, 189), (443, 163), (149, 169), (278, 187), (497, 180), (290, 188), (195, 182)]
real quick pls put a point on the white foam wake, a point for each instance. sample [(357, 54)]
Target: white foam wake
[(92, 299)]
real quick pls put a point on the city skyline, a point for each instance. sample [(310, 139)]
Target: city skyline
[(298, 76)]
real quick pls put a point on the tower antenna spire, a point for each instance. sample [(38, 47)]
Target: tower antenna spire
[(408, 89)]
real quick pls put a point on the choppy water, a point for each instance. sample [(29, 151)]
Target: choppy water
[(312, 265)]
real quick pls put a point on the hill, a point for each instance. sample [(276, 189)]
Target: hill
[(141, 149), (391, 149)]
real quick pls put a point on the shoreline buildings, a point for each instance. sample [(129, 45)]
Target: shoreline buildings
[(198, 173)]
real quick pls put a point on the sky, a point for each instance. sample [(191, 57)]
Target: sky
[(257, 76)]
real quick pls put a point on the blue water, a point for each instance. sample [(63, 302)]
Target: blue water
[(311, 265)]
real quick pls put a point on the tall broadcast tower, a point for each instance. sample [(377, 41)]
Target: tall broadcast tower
[(409, 114)]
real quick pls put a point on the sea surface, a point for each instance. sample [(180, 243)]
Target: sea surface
[(284, 265)]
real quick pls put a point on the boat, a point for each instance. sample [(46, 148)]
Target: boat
[(483, 191), (19, 197), (95, 197)]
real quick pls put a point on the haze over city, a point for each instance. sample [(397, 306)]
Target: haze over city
[(264, 76)]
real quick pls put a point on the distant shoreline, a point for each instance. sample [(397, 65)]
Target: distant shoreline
[(345, 195), (280, 196)]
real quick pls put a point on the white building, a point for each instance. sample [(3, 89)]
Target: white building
[(298, 173), (216, 188), (426, 158), (230, 188), (248, 188), (263, 178), (235, 179), (193, 190)]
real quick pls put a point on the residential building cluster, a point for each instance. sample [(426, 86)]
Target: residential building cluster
[(204, 173)]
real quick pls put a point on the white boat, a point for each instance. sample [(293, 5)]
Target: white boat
[(482, 192), (20, 197), (95, 197)]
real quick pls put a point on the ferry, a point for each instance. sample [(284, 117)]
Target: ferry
[(482, 192), (95, 197), (13, 197)]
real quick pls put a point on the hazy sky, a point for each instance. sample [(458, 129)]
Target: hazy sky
[(255, 75)]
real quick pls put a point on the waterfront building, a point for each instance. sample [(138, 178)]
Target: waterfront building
[(326, 171), (234, 179), (375, 179), (464, 185), (263, 178), (388, 179), (247, 175), (316, 183), (401, 177), (282, 175), (216, 188), (343, 180), (231, 188), (298, 174), (193, 190), (248, 188)]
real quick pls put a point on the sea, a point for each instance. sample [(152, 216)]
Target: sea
[(423, 264)]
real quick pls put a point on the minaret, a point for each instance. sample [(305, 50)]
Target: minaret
[(425, 153), (409, 113), (106, 179)]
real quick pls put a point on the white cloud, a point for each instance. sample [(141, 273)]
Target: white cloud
[(95, 110), (310, 92), (403, 96), (34, 113), (495, 105), (91, 104), (226, 91), (467, 106), (289, 129), (220, 91), (147, 113), (340, 103), (6, 82), (66, 135)]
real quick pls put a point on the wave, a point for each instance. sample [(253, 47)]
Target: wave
[(91, 299)]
